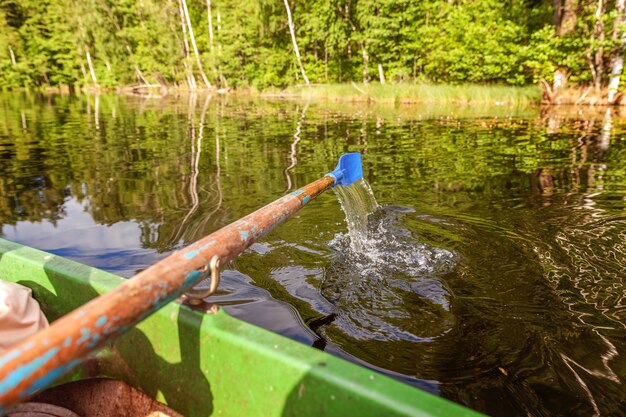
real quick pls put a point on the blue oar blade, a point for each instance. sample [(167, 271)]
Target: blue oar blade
[(349, 169)]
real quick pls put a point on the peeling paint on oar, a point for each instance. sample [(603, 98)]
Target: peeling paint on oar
[(38, 361)]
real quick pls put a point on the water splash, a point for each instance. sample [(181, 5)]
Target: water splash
[(357, 202), (383, 282)]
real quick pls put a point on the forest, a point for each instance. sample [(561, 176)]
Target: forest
[(260, 44)]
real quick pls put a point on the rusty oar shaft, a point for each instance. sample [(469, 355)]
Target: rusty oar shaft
[(42, 358)]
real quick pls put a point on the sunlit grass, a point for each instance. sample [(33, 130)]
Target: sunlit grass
[(467, 94)]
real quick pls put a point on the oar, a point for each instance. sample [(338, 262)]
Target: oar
[(39, 360)]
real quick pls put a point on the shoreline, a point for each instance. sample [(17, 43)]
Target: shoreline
[(409, 94), (374, 93)]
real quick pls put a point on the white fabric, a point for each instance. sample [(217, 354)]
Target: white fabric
[(20, 314)]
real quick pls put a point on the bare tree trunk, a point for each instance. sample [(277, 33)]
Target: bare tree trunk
[(140, 76), (558, 14), (214, 67), (210, 19), (91, 70), (381, 73), (219, 51), (598, 35), (565, 16), (366, 60), (620, 19), (82, 45), (193, 43), (325, 62), (82, 69), (566, 13), (618, 57), (190, 78), (618, 67), (12, 56), (295, 44)]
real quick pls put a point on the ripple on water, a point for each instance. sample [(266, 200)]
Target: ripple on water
[(539, 311), (586, 265), (388, 286)]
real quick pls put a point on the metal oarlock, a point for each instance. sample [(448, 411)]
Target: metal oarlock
[(195, 295)]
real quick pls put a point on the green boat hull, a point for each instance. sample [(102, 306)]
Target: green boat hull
[(203, 364)]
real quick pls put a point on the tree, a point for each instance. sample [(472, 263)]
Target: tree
[(193, 43), (619, 36), (250, 43), (596, 60), (295, 43), (565, 15)]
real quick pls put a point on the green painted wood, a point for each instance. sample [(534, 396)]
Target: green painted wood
[(213, 364)]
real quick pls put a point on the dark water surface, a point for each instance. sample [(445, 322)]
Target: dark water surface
[(493, 273)]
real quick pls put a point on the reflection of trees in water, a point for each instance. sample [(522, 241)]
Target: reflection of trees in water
[(125, 167), (588, 151), (547, 338), (293, 154), (196, 150), (208, 194), (26, 193), (582, 253), (130, 161), (585, 267)]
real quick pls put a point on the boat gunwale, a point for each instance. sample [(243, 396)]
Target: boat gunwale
[(202, 364)]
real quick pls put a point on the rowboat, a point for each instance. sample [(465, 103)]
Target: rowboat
[(203, 363)]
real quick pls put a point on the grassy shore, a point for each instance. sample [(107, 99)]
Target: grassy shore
[(466, 94), (463, 94)]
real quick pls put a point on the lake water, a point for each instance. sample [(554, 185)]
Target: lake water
[(493, 273)]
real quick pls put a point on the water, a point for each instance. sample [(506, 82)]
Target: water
[(489, 268)]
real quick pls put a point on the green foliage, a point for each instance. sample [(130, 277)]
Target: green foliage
[(472, 41), (547, 52), (437, 41)]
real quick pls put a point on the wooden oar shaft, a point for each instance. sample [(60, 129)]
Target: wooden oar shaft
[(39, 360)]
